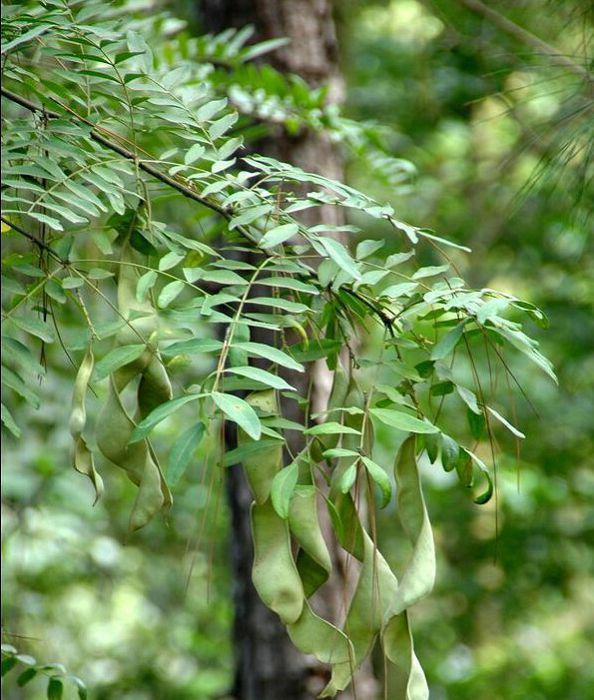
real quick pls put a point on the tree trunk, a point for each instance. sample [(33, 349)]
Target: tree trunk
[(268, 667)]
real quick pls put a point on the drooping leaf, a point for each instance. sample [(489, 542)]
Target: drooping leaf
[(381, 479)]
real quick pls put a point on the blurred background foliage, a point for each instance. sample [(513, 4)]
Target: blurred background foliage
[(501, 139)]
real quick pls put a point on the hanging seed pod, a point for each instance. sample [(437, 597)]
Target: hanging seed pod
[(376, 586), (83, 457), (115, 425), (274, 573), (262, 467)]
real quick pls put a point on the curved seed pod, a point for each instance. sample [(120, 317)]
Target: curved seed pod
[(154, 387), (262, 467), (150, 498), (113, 434), (83, 457), (399, 648), (85, 464), (305, 526), (115, 426), (166, 492), (351, 534), (419, 576), (312, 574), (274, 572), (340, 389), (78, 415), (376, 586), (313, 635)]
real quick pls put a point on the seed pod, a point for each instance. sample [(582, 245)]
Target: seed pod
[(313, 635), (305, 526), (154, 387), (419, 576), (262, 467), (115, 426), (274, 572), (375, 588), (83, 457), (78, 416)]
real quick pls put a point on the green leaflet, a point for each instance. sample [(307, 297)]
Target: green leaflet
[(159, 414), (282, 488), (337, 252), (381, 479), (403, 421), (247, 449), (118, 357), (192, 347), (449, 341), (506, 423), (450, 452), (278, 235), (269, 353), (262, 376), (9, 422), (331, 428), (182, 451), (240, 412)]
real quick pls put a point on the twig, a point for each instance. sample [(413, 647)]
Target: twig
[(38, 242)]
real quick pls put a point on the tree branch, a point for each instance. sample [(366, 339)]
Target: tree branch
[(125, 153), (527, 38), (38, 242)]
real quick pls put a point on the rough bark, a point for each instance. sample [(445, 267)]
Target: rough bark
[(267, 665)]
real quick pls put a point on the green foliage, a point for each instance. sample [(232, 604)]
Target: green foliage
[(57, 675), (105, 136)]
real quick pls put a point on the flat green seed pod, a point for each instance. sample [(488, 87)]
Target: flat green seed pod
[(85, 464), (78, 416), (149, 499), (83, 457), (398, 646), (419, 576), (274, 573), (305, 526), (154, 387), (313, 635), (262, 467), (376, 587)]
